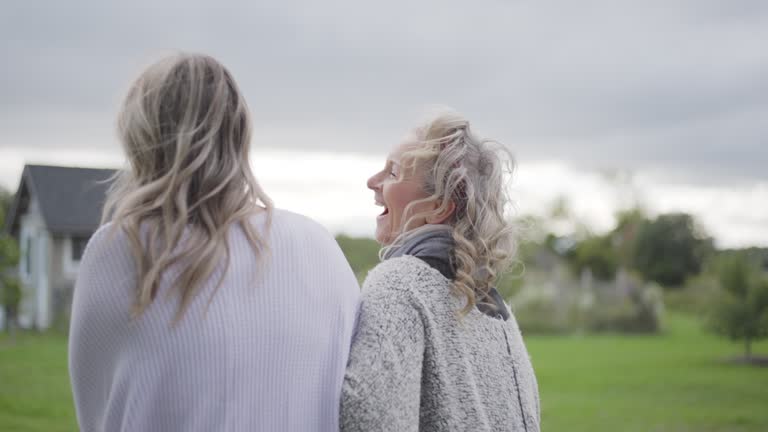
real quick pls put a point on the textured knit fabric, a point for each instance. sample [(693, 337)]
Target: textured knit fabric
[(267, 354), (434, 244), (415, 365)]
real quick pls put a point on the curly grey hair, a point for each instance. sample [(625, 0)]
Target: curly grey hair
[(460, 168)]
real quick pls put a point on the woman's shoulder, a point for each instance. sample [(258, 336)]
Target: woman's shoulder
[(288, 223), (109, 241), (392, 300), (406, 274), (293, 235), (107, 259), (283, 215)]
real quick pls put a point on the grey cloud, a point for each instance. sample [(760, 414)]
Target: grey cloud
[(672, 85)]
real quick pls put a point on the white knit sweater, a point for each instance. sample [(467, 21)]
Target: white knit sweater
[(268, 354)]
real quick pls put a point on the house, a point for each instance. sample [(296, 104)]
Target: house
[(54, 213)]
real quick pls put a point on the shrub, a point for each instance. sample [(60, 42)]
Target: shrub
[(741, 312), (695, 297)]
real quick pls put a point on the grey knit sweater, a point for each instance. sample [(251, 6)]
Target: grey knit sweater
[(416, 366)]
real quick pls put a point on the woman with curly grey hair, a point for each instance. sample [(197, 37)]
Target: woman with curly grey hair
[(436, 348)]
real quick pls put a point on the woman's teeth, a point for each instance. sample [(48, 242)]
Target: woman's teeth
[(381, 204)]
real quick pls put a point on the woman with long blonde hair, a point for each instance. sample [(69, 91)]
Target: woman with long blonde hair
[(437, 349), (199, 306)]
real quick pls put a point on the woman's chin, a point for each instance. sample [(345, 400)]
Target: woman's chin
[(383, 236), (381, 239), (382, 229)]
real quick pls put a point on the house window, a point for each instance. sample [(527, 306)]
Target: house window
[(78, 247), (28, 256)]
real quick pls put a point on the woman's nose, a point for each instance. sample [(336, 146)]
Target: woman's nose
[(373, 182)]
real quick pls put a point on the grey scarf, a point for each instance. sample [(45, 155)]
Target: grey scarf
[(433, 244)]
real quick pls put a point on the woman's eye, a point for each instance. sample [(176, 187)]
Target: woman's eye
[(392, 174)]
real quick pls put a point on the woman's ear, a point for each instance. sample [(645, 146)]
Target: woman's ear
[(440, 216)]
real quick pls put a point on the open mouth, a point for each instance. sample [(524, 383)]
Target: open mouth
[(386, 210)]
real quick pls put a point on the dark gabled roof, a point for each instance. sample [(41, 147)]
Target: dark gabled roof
[(70, 199)]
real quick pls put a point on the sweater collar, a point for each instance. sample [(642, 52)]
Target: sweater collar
[(434, 245)]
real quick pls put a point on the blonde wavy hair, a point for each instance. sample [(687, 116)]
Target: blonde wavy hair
[(186, 129), (472, 173)]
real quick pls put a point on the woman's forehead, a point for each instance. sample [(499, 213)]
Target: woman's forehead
[(407, 144)]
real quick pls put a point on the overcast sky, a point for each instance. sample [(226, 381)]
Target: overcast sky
[(674, 91)]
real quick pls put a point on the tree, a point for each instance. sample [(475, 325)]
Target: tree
[(10, 287), (10, 299), (6, 198), (742, 311), (624, 236), (595, 254), (670, 248)]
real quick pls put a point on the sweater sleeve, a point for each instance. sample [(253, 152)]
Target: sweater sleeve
[(382, 386), (99, 307)]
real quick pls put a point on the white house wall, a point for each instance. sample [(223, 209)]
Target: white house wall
[(62, 273), (42, 256), (35, 307)]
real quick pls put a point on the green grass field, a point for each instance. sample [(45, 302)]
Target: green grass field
[(672, 382), (34, 385)]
